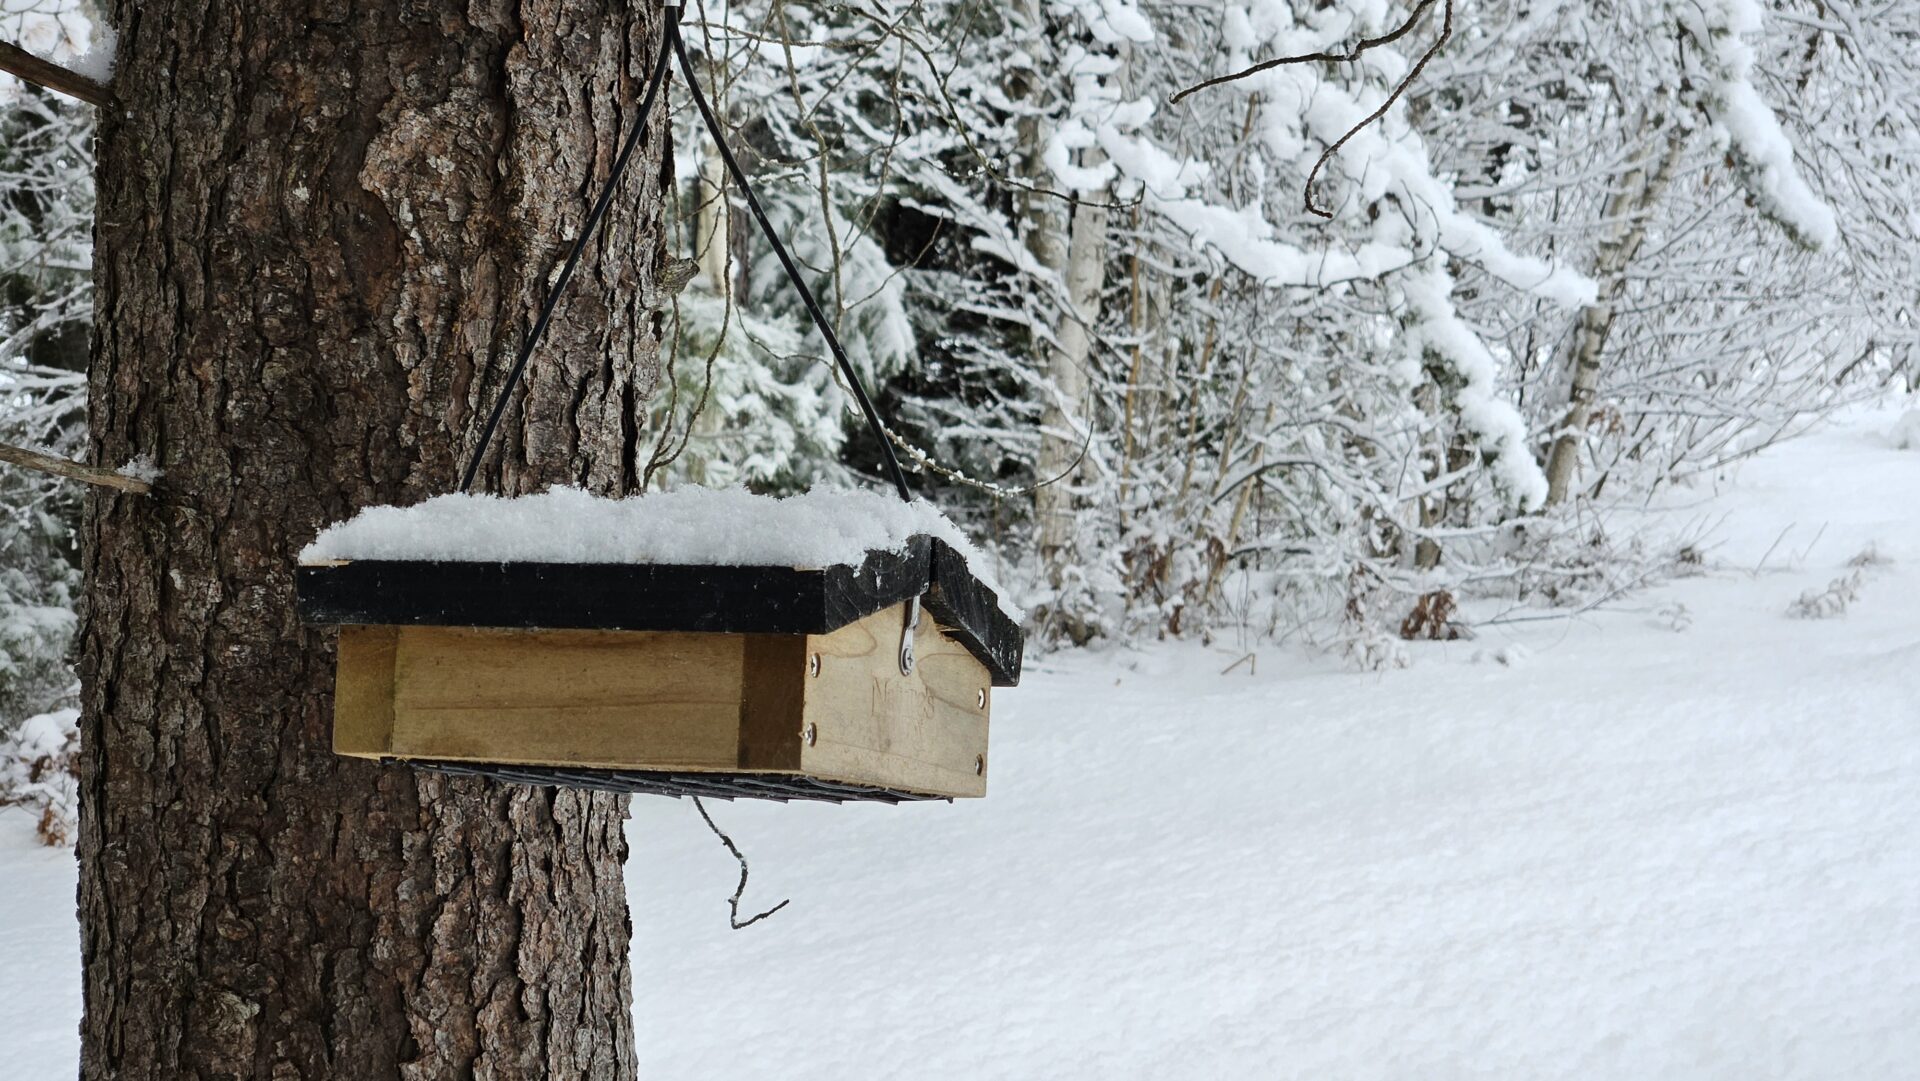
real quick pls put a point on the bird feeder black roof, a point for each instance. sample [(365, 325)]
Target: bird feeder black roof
[(677, 597)]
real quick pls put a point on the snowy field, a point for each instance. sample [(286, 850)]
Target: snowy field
[(1676, 838)]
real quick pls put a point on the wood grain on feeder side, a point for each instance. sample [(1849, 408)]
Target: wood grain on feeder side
[(924, 732), (612, 699), (651, 700), (363, 692), (772, 702)]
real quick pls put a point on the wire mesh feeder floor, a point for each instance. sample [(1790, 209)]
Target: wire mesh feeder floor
[(728, 786)]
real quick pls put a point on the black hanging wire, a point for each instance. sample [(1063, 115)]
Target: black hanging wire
[(786, 262), (676, 46), (654, 79)]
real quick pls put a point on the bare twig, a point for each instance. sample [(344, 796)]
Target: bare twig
[(69, 470), (1348, 57), (1446, 34), (983, 160), (39, 72), (733, 903), (925, 461), (1768, 554), (1814, 543), (1594, 605)]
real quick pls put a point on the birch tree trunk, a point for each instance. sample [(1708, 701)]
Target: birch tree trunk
[(1067, 360), (713, 227), (1069, 239), (1629, 209), (323, 229)]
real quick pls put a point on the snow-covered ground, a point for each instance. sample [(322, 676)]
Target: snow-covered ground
[(39, 956), (1625, 851)]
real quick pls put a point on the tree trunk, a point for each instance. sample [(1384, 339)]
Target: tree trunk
[(713, 226), (1629, 211), (1067, 362), (323, 230), (1070, 240)]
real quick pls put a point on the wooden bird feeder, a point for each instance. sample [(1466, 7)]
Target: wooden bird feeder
[(867, 679), (867, 682)]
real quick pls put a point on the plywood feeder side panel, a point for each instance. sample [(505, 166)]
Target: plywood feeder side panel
[(871, 724), (568, 698), (772, 702), (834, 707), (363, 692)]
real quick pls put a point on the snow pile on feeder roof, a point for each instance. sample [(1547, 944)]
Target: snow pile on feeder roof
[(698, 526)]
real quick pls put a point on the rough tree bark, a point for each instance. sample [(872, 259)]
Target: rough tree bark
[(323, 228)]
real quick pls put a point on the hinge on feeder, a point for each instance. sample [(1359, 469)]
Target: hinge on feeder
[(906, 636)]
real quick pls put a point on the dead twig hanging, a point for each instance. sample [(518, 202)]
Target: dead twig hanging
[(733, 903), (69, 470), (1400, 89)]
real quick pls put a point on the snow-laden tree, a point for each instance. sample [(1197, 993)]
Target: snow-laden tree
[(1129, 335), (753, 395), (1189, 368), (46, 208), (1723, 171)]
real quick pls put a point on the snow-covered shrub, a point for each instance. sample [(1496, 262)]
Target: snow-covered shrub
[(1830, 602), (38, 771), (1173, 396), (748, 401), (46, 229), (1367, 637), (1870, 556), (36, 625), (753, 395)]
